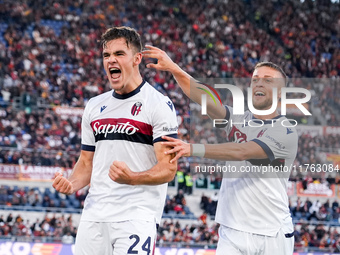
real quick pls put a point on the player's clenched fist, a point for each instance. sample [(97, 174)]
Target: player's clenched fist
[(121, 173), (62, 185)]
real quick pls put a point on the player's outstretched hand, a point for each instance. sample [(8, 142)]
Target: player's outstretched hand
[(182, 149), (62, 185), (121, 173), (164, 62)]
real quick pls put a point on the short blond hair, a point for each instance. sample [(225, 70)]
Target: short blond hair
[(273, 66)]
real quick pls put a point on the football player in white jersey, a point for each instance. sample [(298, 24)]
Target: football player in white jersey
[(122, 156), (252, 210)]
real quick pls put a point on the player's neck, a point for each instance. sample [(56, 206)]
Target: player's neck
[(136, 81), (131, 85)]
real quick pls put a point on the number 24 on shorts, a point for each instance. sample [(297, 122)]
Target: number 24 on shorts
[(145, 247)]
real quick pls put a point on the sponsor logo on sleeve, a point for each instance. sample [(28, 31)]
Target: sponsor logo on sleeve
[(170, 129), (103, 108), (170, 105)]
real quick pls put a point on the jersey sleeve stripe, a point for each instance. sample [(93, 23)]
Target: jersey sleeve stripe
[(266, 149), (227, 113), (136, 137), (85, 147), (160, 139)]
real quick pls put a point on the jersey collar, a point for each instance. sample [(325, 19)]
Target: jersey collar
[(130, 94)]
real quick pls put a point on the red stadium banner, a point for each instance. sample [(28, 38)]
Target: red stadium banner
[(316, 190), (41, 173), (9, 171), (31, 173), (327, 130)]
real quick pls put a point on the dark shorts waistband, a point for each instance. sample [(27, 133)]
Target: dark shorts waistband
[(289, 235)]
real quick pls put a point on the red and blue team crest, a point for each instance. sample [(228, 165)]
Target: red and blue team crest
[(136, 108)]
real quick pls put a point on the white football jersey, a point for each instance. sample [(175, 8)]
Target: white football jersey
[(124, 128), (251, 200)]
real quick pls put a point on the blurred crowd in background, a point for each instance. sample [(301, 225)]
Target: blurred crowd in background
[(50, 56)]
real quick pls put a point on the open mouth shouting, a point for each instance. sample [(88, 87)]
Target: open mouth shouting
[(115, 73)]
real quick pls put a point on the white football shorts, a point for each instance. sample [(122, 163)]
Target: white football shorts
[(232, 241), (116, 238)]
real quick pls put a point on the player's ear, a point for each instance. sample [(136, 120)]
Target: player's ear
[(137, 59), (279, 93), (279, 89)]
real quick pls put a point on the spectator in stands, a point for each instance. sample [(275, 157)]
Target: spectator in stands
[(37, 199), (168, 206), (335, 205), (314, 209), (180, 179), (179, 197), (204, 201), (36, 229), (31, 196), (9, 218), (211, 207), (189, 183), (203, 218), (336, 213), (67, 238)]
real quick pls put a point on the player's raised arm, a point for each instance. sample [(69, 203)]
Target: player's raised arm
[(80, 177), (223, 151), (162, 172), (191, 87)]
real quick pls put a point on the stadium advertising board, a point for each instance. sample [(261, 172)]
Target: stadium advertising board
[(23, 248), (31, 173), (315, 190), (328, 130), (9, 171), (40, 173)]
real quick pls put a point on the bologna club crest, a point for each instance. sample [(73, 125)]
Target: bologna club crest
[(136, 108)]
